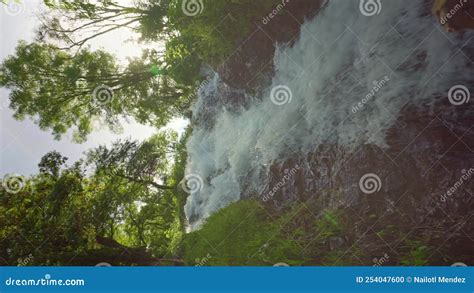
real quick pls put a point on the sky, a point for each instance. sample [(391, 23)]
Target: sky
[(22, 143)]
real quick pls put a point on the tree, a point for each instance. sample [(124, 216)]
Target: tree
[(67, 216), (64, 91), (136, 176), (77, 22), (137, 162), (51, 163)]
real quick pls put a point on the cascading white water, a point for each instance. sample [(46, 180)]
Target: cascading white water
[(344, 81)]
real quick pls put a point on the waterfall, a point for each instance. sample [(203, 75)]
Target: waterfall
[(343, 82)]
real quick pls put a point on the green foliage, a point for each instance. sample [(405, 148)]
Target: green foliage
[(136, 162), (78, 22), (247, 233), (177, 228), (237, 235), (124, 196), (418, 253), (103, 209), (207, 38), (51, 164), (48, 214), (184, 64), (66, 91), (327, 226), (214, 30)]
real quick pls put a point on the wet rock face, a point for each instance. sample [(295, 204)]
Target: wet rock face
[(422, 182), (219, 97), (255, 53)]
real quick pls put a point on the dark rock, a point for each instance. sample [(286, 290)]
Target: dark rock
[(251, 65)]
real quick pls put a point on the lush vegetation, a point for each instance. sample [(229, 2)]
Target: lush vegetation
[(121, 204), (117, 205), (62, 82), (251, 233)]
